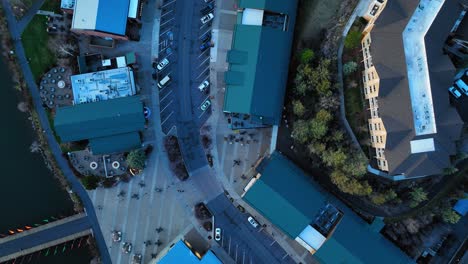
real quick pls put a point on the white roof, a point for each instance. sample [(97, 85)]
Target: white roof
[(416, 64), (121, 62), (133, 9), (85, 14), (312, 237), (106, 62), (422, 145), (252, 16)]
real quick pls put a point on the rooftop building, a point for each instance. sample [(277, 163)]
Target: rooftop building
[(110, 126), (181, 252), (103, 85), (104, 18), (290, 200), (406, 75), (259, 60)]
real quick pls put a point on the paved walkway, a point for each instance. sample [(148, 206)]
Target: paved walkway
[(75, 185)]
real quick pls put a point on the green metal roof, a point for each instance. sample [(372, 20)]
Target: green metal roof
[(279, 195), (262, 54), (286, 196), (99, 119), (116, 143)]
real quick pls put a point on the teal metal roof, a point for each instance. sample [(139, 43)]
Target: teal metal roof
[(262, 54), (116, 143), (279, 195), (99, 119), (290, 199), (180, 253)]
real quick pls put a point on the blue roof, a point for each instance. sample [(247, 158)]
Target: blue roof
[(461, 206), (180, 253), (112, 16)]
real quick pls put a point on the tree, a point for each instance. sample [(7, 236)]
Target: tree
[(349, 67), (320, 77), (352, 40), (316, 148), (136, 159), (90, 182), (350, 185), (337, 136), (328, 102), (418, 195), (301, 131), (450, 216), (450, 170), (356, 165), (381, 198), (298, 108), (461, 156), (334, 158), (307, 55), (323, 116), (317, 129), (302, 80), (61, 47)]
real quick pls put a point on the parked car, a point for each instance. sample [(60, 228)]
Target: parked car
[(462, 86), (218, 234), (206, 37), (455, 92), (127, 247), (205, 46), (164, 81), (202, 87), (116, 236), (136, 259), (252, 221), (162, 64), (209, 7), (205, 105), (207, 18)]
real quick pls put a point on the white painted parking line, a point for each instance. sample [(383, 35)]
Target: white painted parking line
[(168, 12), (243, 257), (169, 20), (202, 113), (274, 241), (285, 256), (204, 33), (202, 26), (237, 246), (170, 91), (167, 118), (203, 62), (201, 54), (167, 4), (168, 104), (207, 68), (167, 30)]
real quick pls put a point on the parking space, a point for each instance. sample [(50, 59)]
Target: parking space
[(167, 98), (243, 242), (187, 48)]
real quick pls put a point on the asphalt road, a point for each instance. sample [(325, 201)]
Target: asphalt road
[(243, 242), (42, 237)]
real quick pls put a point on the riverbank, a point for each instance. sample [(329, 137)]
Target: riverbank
[(20, 85)]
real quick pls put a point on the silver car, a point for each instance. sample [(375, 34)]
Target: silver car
[(205, 105)]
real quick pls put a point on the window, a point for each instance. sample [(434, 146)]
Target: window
[(372, 73), (381, 139)]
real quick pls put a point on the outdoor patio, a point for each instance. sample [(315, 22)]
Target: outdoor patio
[(98, 165), (55, 88)]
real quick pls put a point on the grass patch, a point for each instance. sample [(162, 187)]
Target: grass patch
[(354, 107), (35, 39), (51, 5)]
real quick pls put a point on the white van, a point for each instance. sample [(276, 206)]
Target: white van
[(164, 81)]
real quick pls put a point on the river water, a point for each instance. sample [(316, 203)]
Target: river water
[(29, 193)]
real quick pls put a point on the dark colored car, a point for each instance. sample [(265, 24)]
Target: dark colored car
[(206, 37), (205, 46)]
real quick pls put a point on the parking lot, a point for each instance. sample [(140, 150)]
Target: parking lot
[(243, 242), (185, 42)]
